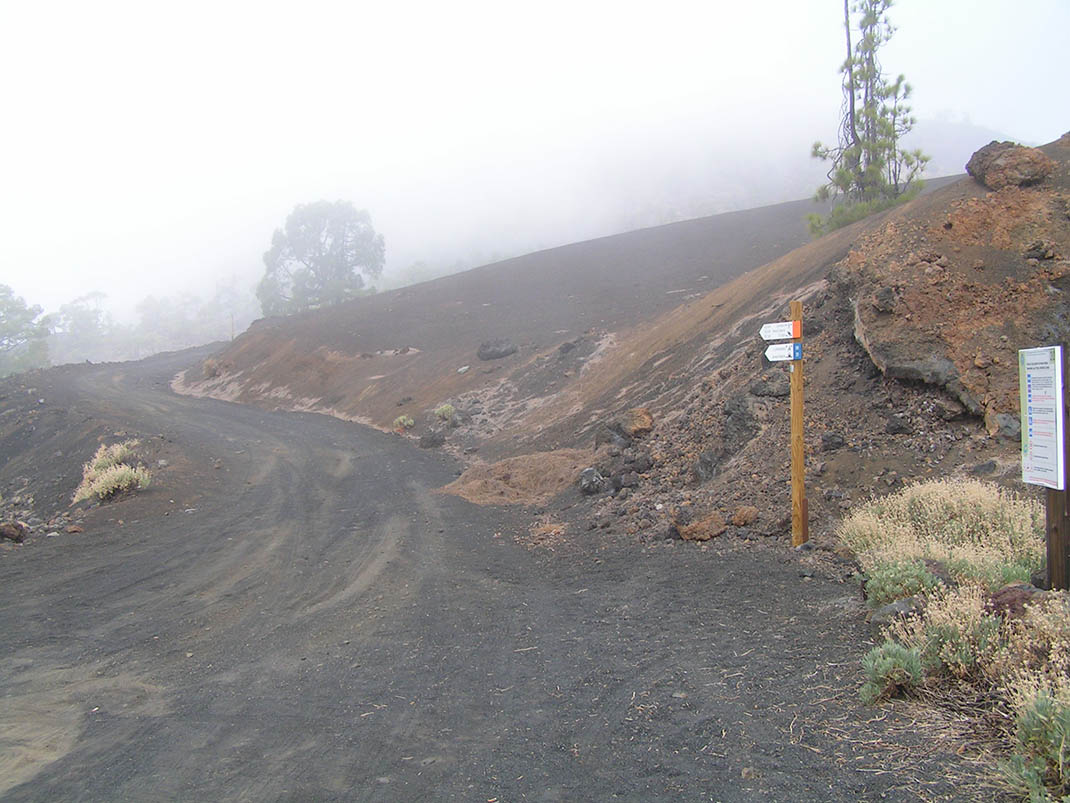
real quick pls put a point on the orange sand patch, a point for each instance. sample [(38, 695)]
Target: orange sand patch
[(530, 479)]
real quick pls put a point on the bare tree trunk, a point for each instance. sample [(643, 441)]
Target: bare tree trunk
[(851, 123)]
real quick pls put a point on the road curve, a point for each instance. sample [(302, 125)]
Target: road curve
[(323, 625)]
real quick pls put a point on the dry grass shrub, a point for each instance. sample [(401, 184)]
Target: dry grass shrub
[(978, 530), (1012, 676), (1037, 656), (955, 635), (1034, 671), (108, 473)]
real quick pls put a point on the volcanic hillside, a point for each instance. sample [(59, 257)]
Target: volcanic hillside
[(404, 352), (912, 323)]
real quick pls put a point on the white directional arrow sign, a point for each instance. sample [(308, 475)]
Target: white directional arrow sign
[(779, 352), (781, 330)]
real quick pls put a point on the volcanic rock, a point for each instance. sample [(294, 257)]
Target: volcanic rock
[(1005, 164), (739, 424), (776, 384), (981, 469), (1040, 249), (13, 531), (693, 527), (831, 441), (605, 434), (1011, 600), (635, 423), (706, 466), (495, 349), (898, 425), (1003, 424), (745, 515), (432, 438), (886, 614), (884, 300), (592, 482)]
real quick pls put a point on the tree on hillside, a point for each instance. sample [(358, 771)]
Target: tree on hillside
[(23, 334), (322, 256), (869, 168)]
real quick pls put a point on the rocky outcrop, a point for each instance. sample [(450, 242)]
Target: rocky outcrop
[(908, 354), (1005, 164)]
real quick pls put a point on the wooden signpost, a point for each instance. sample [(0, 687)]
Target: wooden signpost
[(780, 330), (1045, 446)]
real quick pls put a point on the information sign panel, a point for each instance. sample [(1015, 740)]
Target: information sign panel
[(1040, 386)]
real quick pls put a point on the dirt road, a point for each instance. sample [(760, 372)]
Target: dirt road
[(312, 621)]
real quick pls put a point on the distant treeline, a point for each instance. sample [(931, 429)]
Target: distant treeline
[(84, 329)]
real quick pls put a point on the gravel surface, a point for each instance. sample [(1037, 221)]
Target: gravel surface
[(291, 612)]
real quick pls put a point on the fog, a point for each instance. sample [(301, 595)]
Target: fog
[(151, 148)]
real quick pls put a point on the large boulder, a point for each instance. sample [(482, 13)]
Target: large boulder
[(1005, 164), (495, 349)]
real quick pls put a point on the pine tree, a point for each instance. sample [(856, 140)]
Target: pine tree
[(869, 168)]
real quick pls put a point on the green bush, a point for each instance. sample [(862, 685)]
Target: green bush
[(960, 650), (403, 422), (891, 581), (889, 668), (444, 412), (1039, 766), (845, 214)]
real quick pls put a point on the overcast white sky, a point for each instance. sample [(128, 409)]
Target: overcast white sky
[(152, 147)]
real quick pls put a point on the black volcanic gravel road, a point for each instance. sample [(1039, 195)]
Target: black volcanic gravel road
[(322, 625)]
